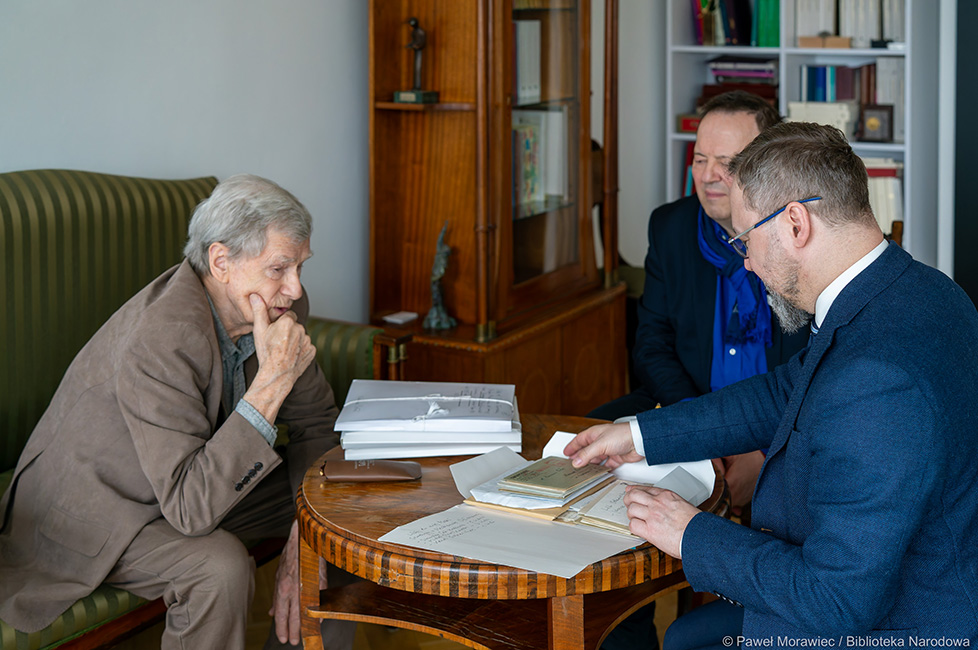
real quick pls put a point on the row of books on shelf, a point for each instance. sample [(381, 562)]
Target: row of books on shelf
[(736, 22), (403, 419), (831, 83), (864, 23)]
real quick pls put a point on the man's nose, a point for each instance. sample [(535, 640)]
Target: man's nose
[(714, 171), (292, 288)]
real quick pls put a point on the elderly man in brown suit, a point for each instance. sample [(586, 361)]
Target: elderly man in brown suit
[(156, 453)]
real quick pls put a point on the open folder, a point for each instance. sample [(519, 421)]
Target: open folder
[(595, 503)]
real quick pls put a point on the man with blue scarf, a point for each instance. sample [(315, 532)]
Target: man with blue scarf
[(703, 319)]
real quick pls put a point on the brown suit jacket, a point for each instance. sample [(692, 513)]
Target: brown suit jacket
[(132, 434)]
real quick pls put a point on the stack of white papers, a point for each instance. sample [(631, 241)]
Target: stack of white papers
[(412, 419)]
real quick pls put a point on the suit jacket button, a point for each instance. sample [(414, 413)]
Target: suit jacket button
[(252, 473), (238, 487), (246, 480), (259, 466)]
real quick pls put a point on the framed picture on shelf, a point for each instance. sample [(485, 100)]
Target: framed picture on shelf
[(877, 122)]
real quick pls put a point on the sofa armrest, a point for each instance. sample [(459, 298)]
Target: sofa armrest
[(347, 351)]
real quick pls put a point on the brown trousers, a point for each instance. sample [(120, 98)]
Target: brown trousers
[(208, 582)]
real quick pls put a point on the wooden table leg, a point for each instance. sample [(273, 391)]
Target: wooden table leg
[(309, 596), (565, 622)]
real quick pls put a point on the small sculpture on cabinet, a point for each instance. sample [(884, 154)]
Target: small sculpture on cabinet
[(419, 39), (437, 318)]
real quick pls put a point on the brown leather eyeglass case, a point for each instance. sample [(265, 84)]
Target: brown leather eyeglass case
[(370, 470)]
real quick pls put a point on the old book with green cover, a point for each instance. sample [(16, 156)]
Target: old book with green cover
[(553, 477)]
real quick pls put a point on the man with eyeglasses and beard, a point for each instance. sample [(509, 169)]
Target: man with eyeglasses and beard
[(863, 529)]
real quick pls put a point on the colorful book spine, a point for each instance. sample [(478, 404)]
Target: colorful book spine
[(527, 159), (697, 21)]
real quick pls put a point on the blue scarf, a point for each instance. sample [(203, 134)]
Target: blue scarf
[(742, 318)]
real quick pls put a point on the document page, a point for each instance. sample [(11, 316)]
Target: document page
[(514, 540)]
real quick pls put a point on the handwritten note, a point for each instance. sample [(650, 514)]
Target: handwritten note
[(514, 540)]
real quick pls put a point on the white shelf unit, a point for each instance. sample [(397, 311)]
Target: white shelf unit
[(686, 72)]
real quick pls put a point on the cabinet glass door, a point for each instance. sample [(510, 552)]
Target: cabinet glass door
[(545, 120)]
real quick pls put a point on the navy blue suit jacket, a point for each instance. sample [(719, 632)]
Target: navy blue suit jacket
[(865, 516), (673, 348)]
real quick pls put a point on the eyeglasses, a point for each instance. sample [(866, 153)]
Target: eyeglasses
[(740, 245)]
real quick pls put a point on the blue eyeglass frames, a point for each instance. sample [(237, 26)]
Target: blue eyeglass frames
[(740, 245)]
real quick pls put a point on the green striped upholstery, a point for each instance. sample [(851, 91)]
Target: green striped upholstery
[(76, 245), (344, 352), (104, 604)]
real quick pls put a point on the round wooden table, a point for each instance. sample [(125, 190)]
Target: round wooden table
[(480, 605)]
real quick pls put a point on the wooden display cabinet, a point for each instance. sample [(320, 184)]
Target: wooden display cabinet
[(504, 159)]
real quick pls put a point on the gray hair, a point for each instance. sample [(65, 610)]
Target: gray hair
[(238, 214), (741, 101), (792, 161)]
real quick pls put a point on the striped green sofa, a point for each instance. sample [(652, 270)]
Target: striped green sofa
[(75, 246)]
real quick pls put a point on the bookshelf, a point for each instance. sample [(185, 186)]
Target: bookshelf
[(503, 161), (687, 71)]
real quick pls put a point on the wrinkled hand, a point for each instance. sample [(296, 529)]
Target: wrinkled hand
[(660, 516), (603, 442), (741, 472), (284, 351), (283, 347), (285, 599)]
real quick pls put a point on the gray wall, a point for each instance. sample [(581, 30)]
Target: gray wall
[(184, 88)]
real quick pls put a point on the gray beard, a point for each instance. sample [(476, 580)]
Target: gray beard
[(790, 317)]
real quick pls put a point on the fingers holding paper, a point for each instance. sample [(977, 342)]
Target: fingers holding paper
[(660, 516), (603, 442)]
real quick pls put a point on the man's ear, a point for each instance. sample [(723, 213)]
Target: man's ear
[(798, 222), (217, 259)]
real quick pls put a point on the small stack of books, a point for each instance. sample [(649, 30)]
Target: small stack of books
[(742, 69), (404, 419), (753, 75)]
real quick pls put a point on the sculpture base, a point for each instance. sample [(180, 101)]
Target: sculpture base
[(416, 96), (438, 319)]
